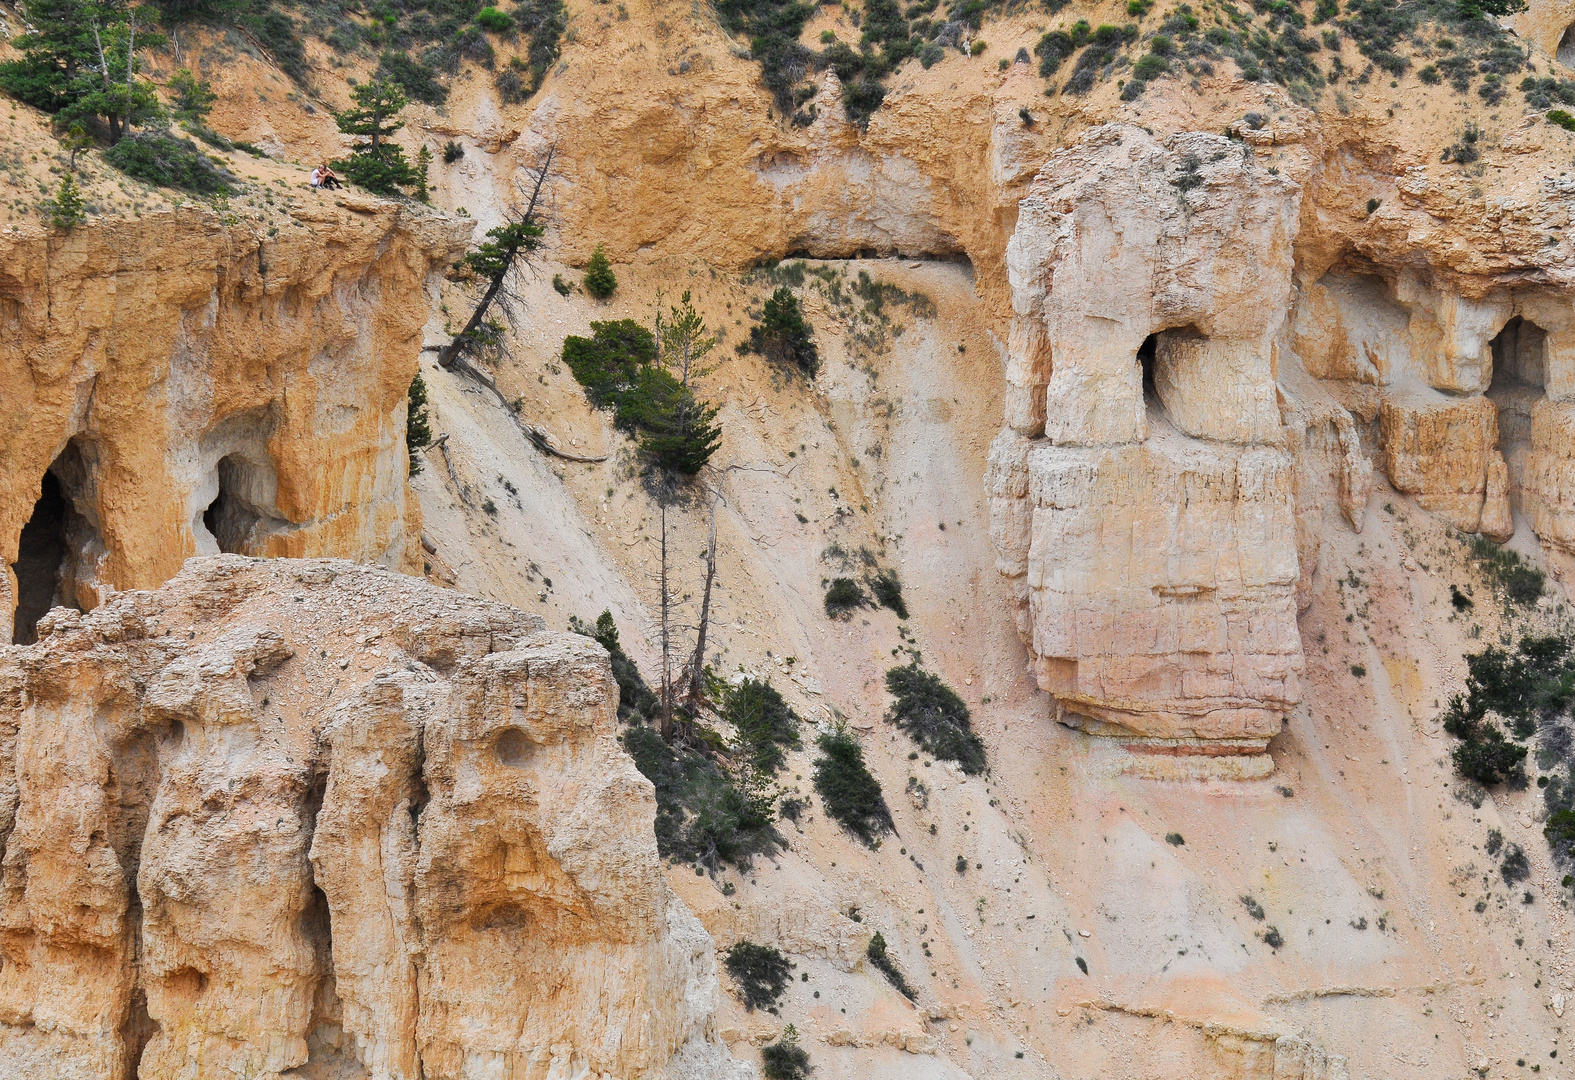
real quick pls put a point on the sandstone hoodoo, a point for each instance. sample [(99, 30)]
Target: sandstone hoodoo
[(310, 815), (1156, 552)]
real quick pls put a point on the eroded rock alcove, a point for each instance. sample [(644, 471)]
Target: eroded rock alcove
[(177, 388), (1185, 397)]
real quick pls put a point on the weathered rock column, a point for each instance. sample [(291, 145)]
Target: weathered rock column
[(1147, 510)]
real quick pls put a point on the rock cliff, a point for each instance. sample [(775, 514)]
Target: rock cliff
[(297, 815), (177, 385)]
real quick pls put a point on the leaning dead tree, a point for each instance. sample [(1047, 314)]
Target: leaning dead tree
[(497, 261)]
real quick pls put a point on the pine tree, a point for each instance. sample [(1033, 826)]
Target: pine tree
[(79, 60), (192, 99), (599, 279), (423, 168), (378, 165), (68, 207), (783, 336), (418, 422)]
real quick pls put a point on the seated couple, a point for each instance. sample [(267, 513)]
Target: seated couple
[(324, 177)]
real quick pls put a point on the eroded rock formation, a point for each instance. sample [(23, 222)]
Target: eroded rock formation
[(1148, 505), (1192, 383), (286, 813), (177, 387)]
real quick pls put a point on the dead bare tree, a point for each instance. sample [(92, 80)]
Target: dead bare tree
[(496, 261), (697, 661)]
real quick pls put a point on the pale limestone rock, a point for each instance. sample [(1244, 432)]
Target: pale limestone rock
[(1152, 544), (1548, 485), (1449, 334), (1120, 238), (1444, 452), (336, 818), (1162, 580)]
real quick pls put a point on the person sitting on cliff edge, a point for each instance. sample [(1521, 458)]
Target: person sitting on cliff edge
[(325, 178)]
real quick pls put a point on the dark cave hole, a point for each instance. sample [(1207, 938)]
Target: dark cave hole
[(40, 557), (1145, 357), (231, 517)]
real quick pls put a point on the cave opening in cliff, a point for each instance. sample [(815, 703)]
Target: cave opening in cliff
[(40, 557), (1519, 375), (56, 549), (1520, 354), (1566, 50), (1145, 357), (241, 514)]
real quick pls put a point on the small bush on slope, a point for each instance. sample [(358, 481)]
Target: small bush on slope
[(850, 794), (762, 973), (934, 716)]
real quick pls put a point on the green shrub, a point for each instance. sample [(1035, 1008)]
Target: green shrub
[(1052, 49), (276, 31), (1562, 119), (159, 158), (761, 972), (493, 20), (766, 725), (1488, 758), (1560, 833), (607, 362), (637, 702), (887, 589), (876, 953), (702, 815), (1515, 867), (1506, 571), (545, 22), (847, 790), (418, 423), (68, 208), (1254, 908), (783, 335), (452, 152), (511, 84), (843, 597), (419, 82), (934, 716), (599, 280), (561, 287), (785, 1059)]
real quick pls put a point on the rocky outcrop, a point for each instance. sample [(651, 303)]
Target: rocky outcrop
[(1444, 451), (1148, 506), (285, 814), (178, 386)]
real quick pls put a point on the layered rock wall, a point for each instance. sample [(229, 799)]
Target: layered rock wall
[(1148, 505), (177, 386), (282, 814)]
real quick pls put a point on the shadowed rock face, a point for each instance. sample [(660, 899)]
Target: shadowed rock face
[(284, 814)]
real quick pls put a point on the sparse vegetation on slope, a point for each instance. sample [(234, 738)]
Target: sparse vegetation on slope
[(850, 794), (761, 972), (934, 716)]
